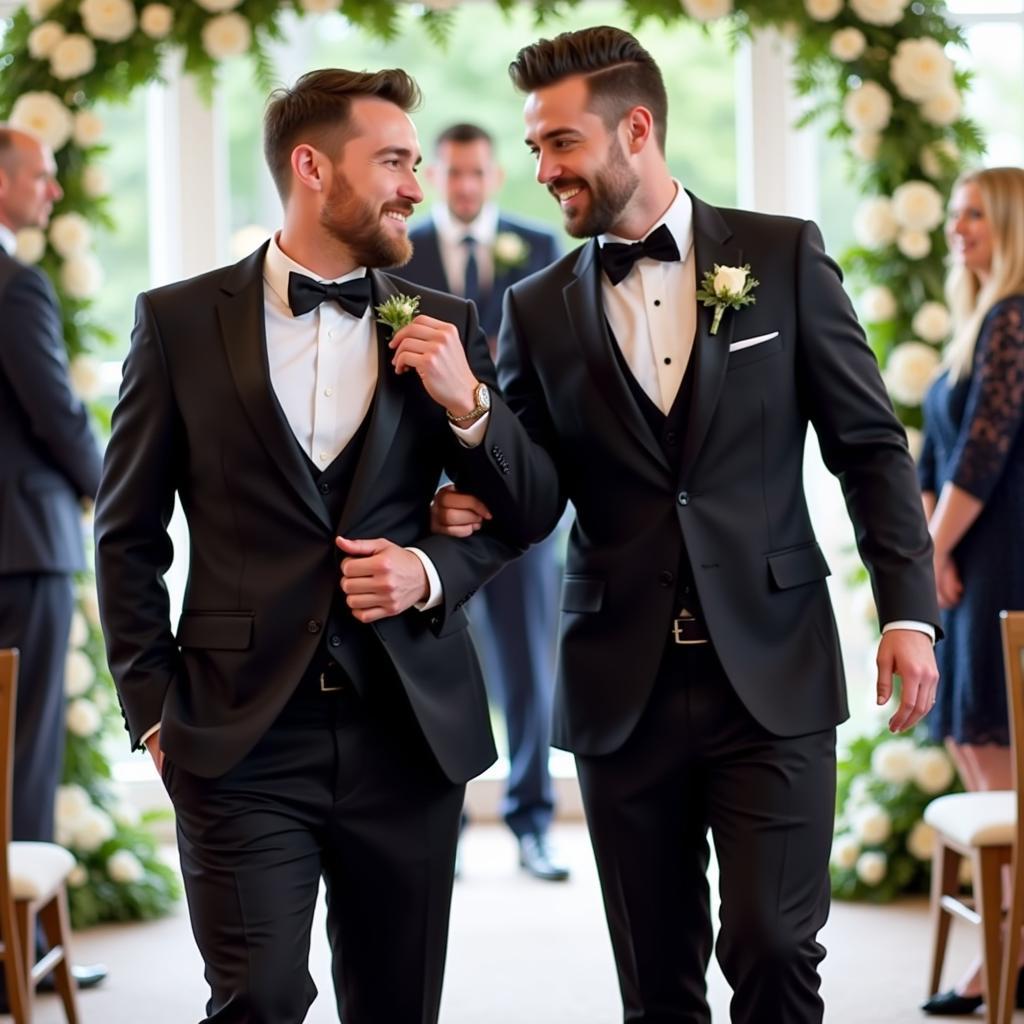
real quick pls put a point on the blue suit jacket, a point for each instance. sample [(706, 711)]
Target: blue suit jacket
[(427, 268)]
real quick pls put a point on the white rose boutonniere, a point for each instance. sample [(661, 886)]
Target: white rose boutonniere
[(510, 250), (727, 288), (399, 311)]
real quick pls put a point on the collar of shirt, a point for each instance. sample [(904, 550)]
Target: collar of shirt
[(483, 229), (8, 240), (678, 218), (278, 265)]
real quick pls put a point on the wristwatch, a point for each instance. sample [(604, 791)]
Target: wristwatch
[(482, 398)]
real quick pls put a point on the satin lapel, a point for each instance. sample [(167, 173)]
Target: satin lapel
[(244, 333), (711, 244), (386, 411), (586, 313)]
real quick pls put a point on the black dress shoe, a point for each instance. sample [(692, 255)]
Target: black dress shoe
[(85, 975), (535, 857), (951, 1004)]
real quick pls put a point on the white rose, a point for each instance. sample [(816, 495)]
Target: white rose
[(920, 69), (879, 12), (872, 825), (921, 841), (823, 10), (915, 245), (936, 157), (95, 181), (82, 276), (248, 239), (933, 770), (83, 718), (932, 322), (509, 247), (943, 109), (70, 234), (78, 633), (125, 868), (729, 281), (101, 698), (86, 378), (915, 442), (917, 205), (878, 304), (845, 851), (867, 108), (893, 760), (79, 673), (874, 225), (43, 38), (126, 814), (872, 867), (88, 129), (78, 876), (42, 114), (707, 10), (227, 35), (847, 44), (71, 804), (156, 20), (909, 371), (93, 830), (864, 145), (88, 601), (864, 605), (860, 791), (218, 6), (39, 9), (110, 20), (319, 6), (30, 245), (72, 57)]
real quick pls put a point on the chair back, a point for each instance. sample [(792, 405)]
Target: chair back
[(8, 704), (1012, 626)]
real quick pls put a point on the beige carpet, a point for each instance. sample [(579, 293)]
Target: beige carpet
[(524, 951)]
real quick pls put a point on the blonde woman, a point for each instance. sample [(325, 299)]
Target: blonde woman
[(972, 479)]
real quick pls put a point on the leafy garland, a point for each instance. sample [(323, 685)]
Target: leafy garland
[(879, 79)]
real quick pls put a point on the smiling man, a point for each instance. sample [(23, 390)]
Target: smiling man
[(308, 724)]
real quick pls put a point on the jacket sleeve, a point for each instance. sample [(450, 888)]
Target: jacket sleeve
[(133, 550), (34, 360)]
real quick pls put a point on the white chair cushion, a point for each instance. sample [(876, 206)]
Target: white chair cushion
[(37, 869), (976, 819)]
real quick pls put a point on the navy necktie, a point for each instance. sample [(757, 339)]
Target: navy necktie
[(305, 294), (471, 280), (618, 258)]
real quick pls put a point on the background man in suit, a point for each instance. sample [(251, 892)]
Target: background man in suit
[(50, 464), (469, 248), (304, 728), (700, 679)]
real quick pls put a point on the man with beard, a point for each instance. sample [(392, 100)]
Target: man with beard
[(306, 728), (700, 678)]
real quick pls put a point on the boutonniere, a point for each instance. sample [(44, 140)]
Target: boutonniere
[(510, 250), (399, 311), (727, 288)]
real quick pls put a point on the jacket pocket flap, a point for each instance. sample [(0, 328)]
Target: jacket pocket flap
[(582, 594), (216, 631), (798, 565)]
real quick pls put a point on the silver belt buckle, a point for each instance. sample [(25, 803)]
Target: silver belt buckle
[(325, 687), (687, 630)]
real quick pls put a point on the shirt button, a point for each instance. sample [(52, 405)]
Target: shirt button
[(325, 488), (335, 641), (323, 456), (328, 392), (657, 302), (684, 498), (668, 360), (665, 578), (313, 626), (330, 334)]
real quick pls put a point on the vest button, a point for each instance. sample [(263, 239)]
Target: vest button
[(665, 578), (684, 498), (325, 488), (335, 640), (313, 626), (670, 437)]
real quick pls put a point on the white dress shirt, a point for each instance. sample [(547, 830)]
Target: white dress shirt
[(8, 240), (450, 234), (652, 312)]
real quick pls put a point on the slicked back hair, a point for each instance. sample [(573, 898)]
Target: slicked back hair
[(620, 74), (316, 110)]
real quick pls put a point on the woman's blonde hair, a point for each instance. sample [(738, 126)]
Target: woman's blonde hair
[(1002, 200)]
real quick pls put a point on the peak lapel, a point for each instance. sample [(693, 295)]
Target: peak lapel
[(244, 333), (711, 245)]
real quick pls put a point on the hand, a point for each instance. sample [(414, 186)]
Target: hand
[(456, 514), (948, 587), (909, 654), (433, 349), (380, 579), (155, 751)]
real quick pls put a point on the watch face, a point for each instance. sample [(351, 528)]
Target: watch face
[(483, 396)]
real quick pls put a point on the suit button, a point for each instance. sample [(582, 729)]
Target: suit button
[(313, 626), (665, 578), (335, 641), (684, 498), (325, 488), (670, 437)]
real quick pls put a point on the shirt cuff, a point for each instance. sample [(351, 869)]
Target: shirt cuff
[(436, 594), (149, 732), (920, 627), (471, 436)]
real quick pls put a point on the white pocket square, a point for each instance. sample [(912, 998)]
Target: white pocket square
[(749, 342)]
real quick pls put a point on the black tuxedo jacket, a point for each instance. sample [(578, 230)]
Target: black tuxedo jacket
[(426, 265), (733, 494), (197, 418), (50, 456)]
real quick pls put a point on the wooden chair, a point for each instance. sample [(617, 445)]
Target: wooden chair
[(32, 886), (985, 828)]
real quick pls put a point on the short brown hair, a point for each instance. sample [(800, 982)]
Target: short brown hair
[(316, 111), (462, 133), (619, 72)]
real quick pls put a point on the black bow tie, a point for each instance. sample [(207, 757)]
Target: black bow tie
[(305, 294), (618, 258)]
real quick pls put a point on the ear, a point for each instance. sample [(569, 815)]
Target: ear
[(308, 167), (639, 125)]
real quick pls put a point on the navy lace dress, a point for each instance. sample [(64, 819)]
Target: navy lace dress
[(974, 436)]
